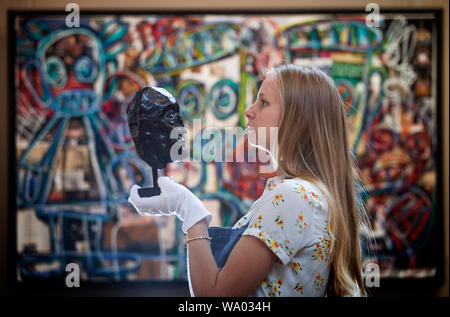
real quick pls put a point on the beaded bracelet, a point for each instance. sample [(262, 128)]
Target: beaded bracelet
[(197, 238)]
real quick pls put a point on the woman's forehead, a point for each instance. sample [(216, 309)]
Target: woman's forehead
[(269, 85)]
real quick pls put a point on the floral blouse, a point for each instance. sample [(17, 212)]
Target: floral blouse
[(290, 217)]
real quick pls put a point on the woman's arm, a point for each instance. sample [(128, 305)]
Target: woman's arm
[(248, 264)]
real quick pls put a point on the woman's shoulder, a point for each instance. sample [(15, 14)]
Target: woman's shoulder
[(283, 181), (298, 189)]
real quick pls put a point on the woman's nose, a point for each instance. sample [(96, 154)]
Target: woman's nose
[(250, 113)]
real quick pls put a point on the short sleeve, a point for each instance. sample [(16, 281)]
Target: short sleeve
[(284, 218)]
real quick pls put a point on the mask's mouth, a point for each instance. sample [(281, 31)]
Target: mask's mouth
[(273, 148), (76, 102)]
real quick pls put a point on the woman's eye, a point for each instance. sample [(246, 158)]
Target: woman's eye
[(264, 103)]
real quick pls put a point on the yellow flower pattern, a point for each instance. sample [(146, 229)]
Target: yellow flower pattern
[(299, 288), (319, 281), (308, 195), (322, 248), (273, 287), (295, 266), (277, 199), (279, 221), (274, 245), (287, 247), (300, 223), (257, 223), (272, 186)]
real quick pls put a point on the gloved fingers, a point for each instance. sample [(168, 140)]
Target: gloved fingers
[(169, 188), (144, 204), (133, 193), (165, 181)]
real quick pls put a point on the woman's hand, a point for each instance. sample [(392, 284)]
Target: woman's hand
[(174, 199)]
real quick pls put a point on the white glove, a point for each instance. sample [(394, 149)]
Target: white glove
[(174, 199)]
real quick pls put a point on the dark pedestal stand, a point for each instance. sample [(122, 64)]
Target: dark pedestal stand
[(151, 191)]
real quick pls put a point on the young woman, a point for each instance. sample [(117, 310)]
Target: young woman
[(302, 234)]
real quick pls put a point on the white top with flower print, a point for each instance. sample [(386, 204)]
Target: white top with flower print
[(290, 217)]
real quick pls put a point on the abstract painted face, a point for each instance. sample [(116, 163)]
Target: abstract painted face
[(152, 115)]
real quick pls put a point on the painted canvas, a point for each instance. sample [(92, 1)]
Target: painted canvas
[(76, 160)]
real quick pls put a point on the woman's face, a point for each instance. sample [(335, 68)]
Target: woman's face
[(266, 111)]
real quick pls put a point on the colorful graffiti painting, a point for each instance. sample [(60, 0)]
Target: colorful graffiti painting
[(76, 160)]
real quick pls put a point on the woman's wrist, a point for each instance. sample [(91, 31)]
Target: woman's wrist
[(194, 213)]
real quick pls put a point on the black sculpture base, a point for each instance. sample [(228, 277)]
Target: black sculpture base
[(151, 191)]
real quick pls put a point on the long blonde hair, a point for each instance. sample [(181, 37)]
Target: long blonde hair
[(313, 145)]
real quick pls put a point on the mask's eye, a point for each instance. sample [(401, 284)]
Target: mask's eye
[(55, 72), (170, 114), (85, 69)]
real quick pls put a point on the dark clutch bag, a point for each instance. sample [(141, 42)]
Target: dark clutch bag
[(223, 240)]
